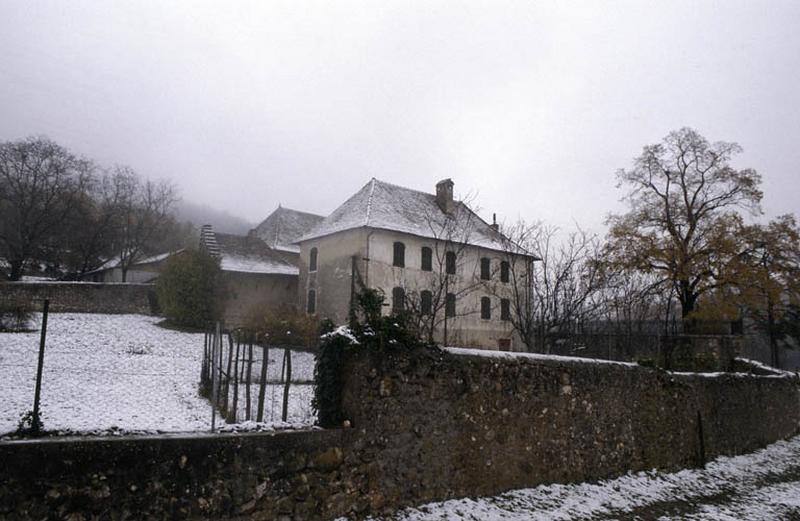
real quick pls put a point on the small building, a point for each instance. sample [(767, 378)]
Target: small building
[(144, 271), (257, 278), (427, 253)]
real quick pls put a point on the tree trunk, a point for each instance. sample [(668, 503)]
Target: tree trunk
[(688, 302), (16, 269)]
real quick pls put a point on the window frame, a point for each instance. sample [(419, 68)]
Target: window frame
[(311, 302), (313, 259), (450, 305), (486, 308), (426, 297), (505, 310), (399, 254), (398, 299), (486, 268), (426, 266), (450, 261)]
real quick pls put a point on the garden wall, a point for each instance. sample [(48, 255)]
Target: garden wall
[(81, 297), (426, 425), (476, 423)]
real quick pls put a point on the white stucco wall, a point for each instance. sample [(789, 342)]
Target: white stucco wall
[(374, 251)]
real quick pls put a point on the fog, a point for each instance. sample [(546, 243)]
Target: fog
[(529, 106)]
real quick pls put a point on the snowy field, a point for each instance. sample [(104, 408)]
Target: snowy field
[(763, 486), (106, 373)]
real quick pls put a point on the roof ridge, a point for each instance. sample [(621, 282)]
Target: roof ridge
[(300, 211), (369, 200), (403, 187)]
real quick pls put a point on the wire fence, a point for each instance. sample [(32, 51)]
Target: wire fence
[(236, 377)]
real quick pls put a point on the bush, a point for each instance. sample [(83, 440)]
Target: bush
[(285, 327), (190, 289), (15, 318), (374, 332)]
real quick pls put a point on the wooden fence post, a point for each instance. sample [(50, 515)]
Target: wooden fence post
[(263, 383), (35, 422), (248, 410), (288, 358), (214, 378), (236, 378), (228, 378)]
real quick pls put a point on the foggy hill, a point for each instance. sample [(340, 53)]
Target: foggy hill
[(222, 221)]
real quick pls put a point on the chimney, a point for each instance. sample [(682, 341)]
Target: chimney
[(494, 226), (444, 195)]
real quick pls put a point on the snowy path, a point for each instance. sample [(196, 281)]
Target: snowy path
[(763, 486), (106, 372)]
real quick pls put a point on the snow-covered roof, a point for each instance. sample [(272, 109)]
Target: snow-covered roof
[(249, 254), (284, 226), (115, 261), (387, 206)]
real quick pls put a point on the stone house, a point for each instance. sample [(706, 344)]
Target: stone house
[(257, 278), (427, 253)]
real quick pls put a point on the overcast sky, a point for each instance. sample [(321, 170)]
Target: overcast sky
[(531, 105)]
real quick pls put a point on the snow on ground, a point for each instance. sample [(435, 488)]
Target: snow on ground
[(120, 372), (761, 486)]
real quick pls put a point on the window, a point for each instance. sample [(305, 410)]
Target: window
[(450, 305), (450, 262), (426, 302), (486, 308), (504, 271), (486, 268), (399, 255), (427, 259), (505, 309), (311, 305), (312, 260), (398, 299)]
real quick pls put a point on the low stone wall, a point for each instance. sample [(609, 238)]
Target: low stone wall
[(289, 475), (81, 297), (476, 423), (426, 425)]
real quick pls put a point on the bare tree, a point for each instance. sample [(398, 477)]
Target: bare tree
[(41, 184), (145, 215), (555, 284), (94, 226)]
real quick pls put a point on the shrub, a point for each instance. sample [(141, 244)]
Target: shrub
[(285, 327), (376, 332), (190, 289), (15, 318)]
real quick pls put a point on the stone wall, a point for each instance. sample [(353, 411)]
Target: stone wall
[(290, 475), (426, 425), (81, 297), (450, 425)]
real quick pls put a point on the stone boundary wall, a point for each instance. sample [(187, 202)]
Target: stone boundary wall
[(81, 297), (426, 425), (288, 475), (477, 423)]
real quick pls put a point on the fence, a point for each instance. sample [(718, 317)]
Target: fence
[(236, 378)]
